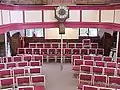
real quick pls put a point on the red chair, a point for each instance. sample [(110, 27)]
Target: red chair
[(47, 45), (79, 45), (75, 51), (75, 57), (28, 51), (38, 58), (44, 52), (64, 45), (51, 53), (35, 70), (84, 51), (40, 45), (97, 58), (107, 59), (100, 63), (100, 51), (77, 63), (118, 72), (11, 65), (35, 63), (4, 60), (100, 80), (21, 51), (17, 59), (87, 57), (67, 52), (84, 79), (18, 72), (94, 45), (111, 64), (109, 71), (5, 73), (38, 81), (9, 59), (86, 41), (118, 59), (7, 82), (85, 69), (92, 51), (98, 70), (58, 53), (22, 64), (22, 80), (27, 57), (89, 62), (71, 45), (55, 45), (26, 88), (89, 87), (114, 82), (32, 45), (36, 51), (2, 66)]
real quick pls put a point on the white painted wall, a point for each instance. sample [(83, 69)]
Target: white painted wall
[(101, 32), (53, 33), (22, 32)]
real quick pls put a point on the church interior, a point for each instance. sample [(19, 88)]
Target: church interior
[(59, 45)]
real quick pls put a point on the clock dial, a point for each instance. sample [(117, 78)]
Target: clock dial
[(62, 12)]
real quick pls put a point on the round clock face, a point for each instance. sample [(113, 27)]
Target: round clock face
[(62, 12)]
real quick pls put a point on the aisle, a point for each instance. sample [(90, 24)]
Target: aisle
[(57, 79)]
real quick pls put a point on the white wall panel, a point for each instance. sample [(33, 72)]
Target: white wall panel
[(74, 16), (53, 33), (107, 15), (49, 16), (6, 16), (33, 16), (16, 16), (0, 18), (90, 15), (22, 32), (117, 16)]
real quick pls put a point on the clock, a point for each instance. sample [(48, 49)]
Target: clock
[(62, 13)]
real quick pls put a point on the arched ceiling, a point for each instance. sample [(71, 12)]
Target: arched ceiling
[(81, 2)]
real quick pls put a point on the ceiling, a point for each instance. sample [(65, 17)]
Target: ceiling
[(81, 2)]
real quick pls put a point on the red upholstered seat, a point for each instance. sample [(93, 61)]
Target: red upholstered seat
[(85, 69), (28, 51), (98, 70), (40, 45), (87, 57), (76, 51), (36, 51), (39, 88), (76, 68), (32, 45), (79, 45), (11, 65), (7, 82), (89, 62), (84, 79), (75, 57), (92, 51), (26, 88), (94, 45), (100, 63), (109, 71), (22, 64), (100, 51), (89, 87), (17, 58), (107, 59), (47, 45), (71, 45), (55, 45), (97, 58), (2, 65)]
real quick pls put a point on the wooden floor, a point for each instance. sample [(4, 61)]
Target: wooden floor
[(57, 79)]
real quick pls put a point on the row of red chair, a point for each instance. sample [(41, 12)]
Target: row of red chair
[(19, 64), (90, 57), (22, 58), (90, 87), (78, 62), (20, 72), (57, 51), (65, 45), (99, 80), (38, 81)]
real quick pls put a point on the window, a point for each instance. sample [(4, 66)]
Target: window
[(92, 32), (39, 32)]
